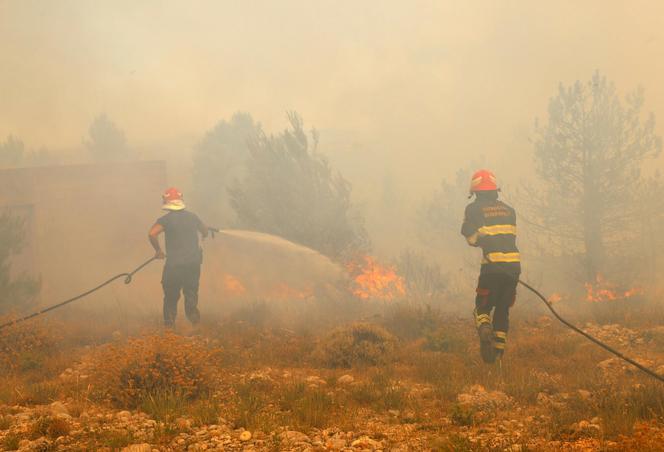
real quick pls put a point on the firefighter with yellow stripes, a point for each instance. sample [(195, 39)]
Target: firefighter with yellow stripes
[(490, 224)]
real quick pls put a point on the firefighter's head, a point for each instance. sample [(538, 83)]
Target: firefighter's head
[(483, 181), (172, 199)]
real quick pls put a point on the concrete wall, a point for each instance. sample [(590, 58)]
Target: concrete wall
[(87, 222)]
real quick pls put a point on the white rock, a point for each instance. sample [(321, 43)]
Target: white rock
[(58, 408), (335, 443), (585, 395), (183, 423), (315, 380), (345, 379), (294, 437), (145, 447), (123, 415), (583, 425), (366, 443)]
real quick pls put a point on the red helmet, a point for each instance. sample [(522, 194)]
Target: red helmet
[(172, 199), (172, 194), (483, 180)]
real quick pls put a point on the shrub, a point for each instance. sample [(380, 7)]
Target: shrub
[(461, 415), (25, 345), (424, 278), (41, 392), (10, 442), (58, 427), (17, 289), (5, 422), (357, 344), (409, 322), (131, 372), (444, 340)]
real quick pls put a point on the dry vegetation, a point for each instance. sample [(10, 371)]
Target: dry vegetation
[(408, 379)]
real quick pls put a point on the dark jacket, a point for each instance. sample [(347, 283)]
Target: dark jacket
[(491, 225), (181, 229)]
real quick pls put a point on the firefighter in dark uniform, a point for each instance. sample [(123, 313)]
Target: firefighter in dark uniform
[(183, 256), (490, 224)]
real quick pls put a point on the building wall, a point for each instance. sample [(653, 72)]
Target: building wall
[(88, 222)]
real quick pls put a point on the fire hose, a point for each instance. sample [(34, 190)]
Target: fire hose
[(606, 347), (127, 280), (129, 276)]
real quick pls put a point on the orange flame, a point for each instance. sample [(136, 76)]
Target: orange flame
[(601, 291), (283, 291), (374, 281), (555, 298), (233, 286)]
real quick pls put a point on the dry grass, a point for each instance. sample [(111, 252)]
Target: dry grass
[(308, 408), (169, 376), (381, 392), (252, 398), (166, 405), (11, 441)]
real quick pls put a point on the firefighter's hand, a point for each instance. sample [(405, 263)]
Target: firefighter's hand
[(159, 255)]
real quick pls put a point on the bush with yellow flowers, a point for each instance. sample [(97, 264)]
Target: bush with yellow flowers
[(128, 372), (24, 346)]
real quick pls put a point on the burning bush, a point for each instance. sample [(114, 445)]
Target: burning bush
[(357, 344), (130, 372), (373, 281)]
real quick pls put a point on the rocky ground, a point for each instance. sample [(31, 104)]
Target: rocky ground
[(580, 399)]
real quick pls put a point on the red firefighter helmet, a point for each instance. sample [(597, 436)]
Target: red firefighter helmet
[(483, 180), (172, 198)]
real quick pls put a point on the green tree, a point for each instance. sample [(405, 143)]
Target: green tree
[(106, 141), (12, 152), (15, 291), (588, 161), (219, 159), (290, 190)]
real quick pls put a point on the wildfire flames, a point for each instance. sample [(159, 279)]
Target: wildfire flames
[(369, 280), (281, 291), (601, 291), (233, 286), (374, 281), (555, 298)]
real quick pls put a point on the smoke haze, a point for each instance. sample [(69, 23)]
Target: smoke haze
[(418, 88)]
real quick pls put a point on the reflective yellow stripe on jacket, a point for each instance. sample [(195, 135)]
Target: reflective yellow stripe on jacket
[(498, 229), (501, 257)]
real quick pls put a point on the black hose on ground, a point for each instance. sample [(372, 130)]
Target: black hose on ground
[(127, 280), (606, 347)]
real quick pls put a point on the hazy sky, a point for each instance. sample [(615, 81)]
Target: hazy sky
[(421, 86)]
